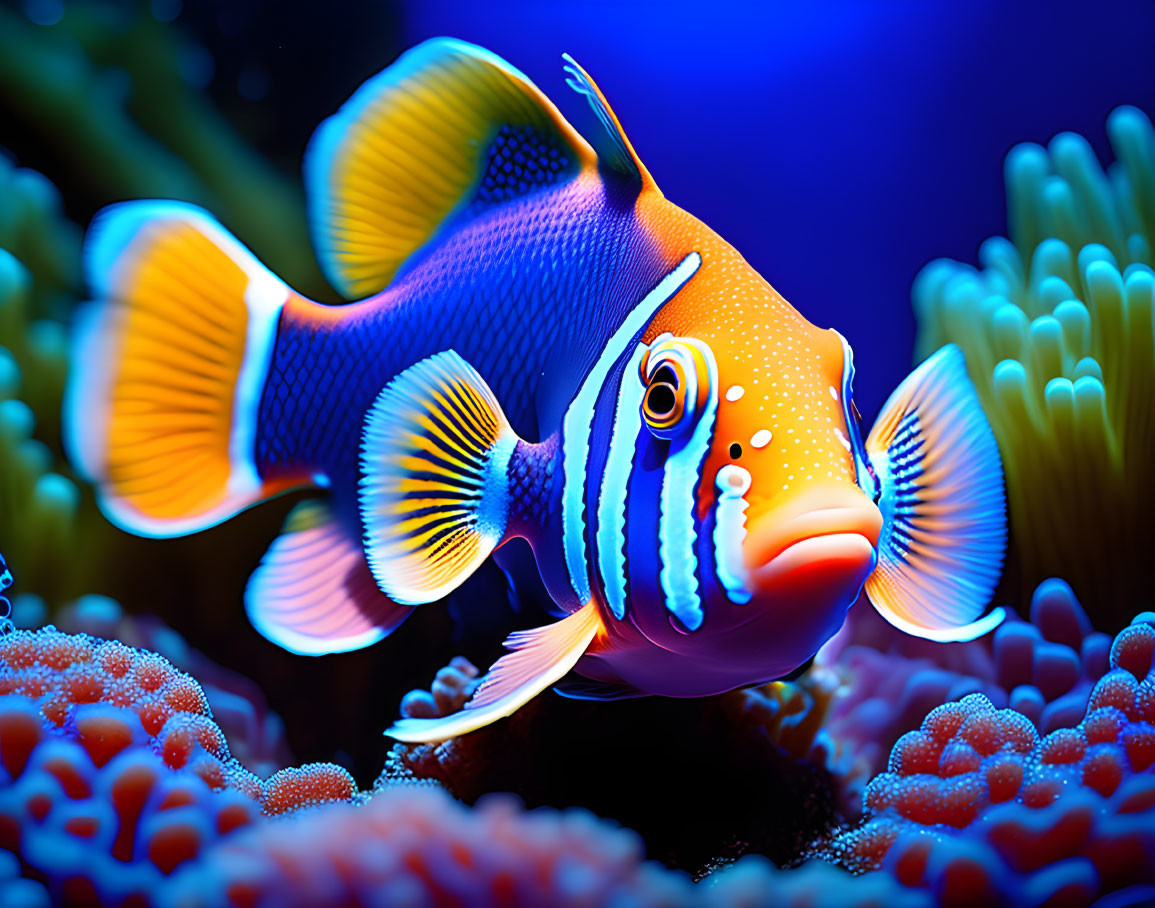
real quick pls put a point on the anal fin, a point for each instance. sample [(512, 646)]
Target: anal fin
[(540, 657), (313, 592)]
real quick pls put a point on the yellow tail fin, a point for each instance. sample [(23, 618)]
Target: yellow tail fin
[(169, 366)]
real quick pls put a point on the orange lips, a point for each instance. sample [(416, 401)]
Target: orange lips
[(832, 529)]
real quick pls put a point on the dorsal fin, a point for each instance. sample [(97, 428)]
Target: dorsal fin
[(446, 125), (615, 150)]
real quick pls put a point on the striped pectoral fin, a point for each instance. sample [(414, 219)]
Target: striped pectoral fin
[(540, 657), (168, 367), (944, 529), (313, 593), (434, 489)]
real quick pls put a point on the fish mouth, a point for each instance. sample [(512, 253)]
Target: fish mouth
[(835, 560), (827, 533)]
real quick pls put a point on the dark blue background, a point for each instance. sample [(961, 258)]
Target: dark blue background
[(839, 146)]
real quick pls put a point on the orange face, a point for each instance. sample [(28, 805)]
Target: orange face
[(781, 446)]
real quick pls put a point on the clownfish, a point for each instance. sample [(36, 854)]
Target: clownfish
[(543, 347)]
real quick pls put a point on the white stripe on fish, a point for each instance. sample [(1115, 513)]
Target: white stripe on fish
[(611, 530), (579, 421), (677, 505)]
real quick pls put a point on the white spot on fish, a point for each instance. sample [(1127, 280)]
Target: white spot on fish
[(842, 438), (760, 439), (735, 392), (833, 393)]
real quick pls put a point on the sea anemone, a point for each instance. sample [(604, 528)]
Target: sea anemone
[(36, 493), (137, 126), (1056, 324)]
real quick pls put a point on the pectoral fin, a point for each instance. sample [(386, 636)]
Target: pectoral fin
[(434, 491), (540, 657), (944, 530)]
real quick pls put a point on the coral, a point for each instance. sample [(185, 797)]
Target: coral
[(115, 786), (1056, 325), (417, 846), (793, 716), (256, 735), (975, 806), (755, 883), (16, 891), (74, 680), (97, 812), (451, 687), (117, 783), (109, 756), (1045, 668), (78, 681), (649, 763), (5, 604)]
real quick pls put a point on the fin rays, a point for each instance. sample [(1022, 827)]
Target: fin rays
[(313, 593), (433, 491), (410, 148), (539, 658), (171, 358), (944, 512)]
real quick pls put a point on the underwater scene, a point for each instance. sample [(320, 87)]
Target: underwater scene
[(578, 454)]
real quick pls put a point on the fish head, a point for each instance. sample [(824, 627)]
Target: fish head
[(751, 485)]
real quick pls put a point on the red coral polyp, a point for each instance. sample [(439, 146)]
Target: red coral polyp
[(114, 748), (1058, 819), (307, 786), (111, 698)]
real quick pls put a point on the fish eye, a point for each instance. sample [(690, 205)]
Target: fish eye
[(661, 399), (676, 380), (735, 451)]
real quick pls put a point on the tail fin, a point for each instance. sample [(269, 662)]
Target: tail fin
[(169, 366)]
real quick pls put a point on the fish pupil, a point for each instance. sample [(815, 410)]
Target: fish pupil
[(735, 451), (661, 399)]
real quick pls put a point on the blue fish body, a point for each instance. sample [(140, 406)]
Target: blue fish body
[(544, 348)]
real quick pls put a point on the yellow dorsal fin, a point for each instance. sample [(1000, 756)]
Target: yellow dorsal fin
[(447, 124), (615, 150)]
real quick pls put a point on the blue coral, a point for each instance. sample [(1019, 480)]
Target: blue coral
[(102, 810), (975, 805), (1044, 668)]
